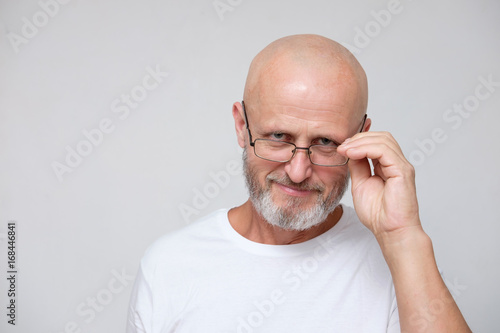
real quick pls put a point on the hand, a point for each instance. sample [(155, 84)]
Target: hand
[(386, 202)]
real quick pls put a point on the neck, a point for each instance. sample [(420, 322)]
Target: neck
[(248, 223)]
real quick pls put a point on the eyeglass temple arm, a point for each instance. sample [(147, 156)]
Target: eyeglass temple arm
[(246, 122), (363, 125)]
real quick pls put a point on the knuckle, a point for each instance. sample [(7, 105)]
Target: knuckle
[(388, 135), (410, 169)]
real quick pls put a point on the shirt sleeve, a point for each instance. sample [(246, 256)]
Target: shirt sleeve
[(141, 305), (394, 326)]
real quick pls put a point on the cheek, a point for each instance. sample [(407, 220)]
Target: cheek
[(330, 177), (262, 168)]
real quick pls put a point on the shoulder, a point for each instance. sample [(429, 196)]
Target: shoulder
[(187, 241)]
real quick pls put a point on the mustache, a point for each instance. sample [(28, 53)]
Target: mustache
[(285, 180)]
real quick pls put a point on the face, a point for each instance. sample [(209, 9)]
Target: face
[(303, 107)]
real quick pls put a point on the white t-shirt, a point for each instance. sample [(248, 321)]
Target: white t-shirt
[(208, 278)]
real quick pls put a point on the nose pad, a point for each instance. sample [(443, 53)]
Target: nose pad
[(297, 169), (308, 152)]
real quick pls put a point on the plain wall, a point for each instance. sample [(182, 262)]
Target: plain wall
[(78, 231)]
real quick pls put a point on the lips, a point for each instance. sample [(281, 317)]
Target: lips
[(294, 191)]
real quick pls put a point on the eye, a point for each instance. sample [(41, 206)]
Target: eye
[(277, 136), (325, 142)]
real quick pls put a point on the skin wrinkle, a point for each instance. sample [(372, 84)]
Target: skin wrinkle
[(293, 128), (307, 87), (300, 219), (296, 79), (293, 131)]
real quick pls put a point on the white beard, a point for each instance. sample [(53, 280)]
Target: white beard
[(291, 216)]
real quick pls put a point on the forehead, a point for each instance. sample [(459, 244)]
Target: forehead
[(307, 96), (308, 122)]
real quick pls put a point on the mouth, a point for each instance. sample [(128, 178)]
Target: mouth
[(294, 191)]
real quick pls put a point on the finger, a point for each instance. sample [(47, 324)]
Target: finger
[(360, 171), (387, 135), (377, 169), (388, 161), (370, 138)]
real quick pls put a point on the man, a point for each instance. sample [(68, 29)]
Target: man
[(291, 259)]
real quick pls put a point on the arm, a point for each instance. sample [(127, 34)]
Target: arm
[(386, 203)]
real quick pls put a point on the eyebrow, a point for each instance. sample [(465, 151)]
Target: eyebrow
[(335, 141), (275, 128)]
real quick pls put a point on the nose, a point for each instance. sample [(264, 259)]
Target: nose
[(299, 168)]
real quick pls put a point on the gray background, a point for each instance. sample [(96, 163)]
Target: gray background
[(75, 234)]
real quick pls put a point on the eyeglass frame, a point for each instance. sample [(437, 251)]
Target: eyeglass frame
[(308, 149)]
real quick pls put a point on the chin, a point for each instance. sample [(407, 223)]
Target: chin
[(293, 215)]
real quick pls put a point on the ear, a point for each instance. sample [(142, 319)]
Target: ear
[(239, 124), (368, 124)]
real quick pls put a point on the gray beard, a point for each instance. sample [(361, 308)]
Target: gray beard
[(291, 216)]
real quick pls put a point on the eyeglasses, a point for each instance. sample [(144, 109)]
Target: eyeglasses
[(282, 151)]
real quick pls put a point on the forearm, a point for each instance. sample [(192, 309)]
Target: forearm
[(424, 302)]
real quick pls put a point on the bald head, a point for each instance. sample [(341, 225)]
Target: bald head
[(313, 61)]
